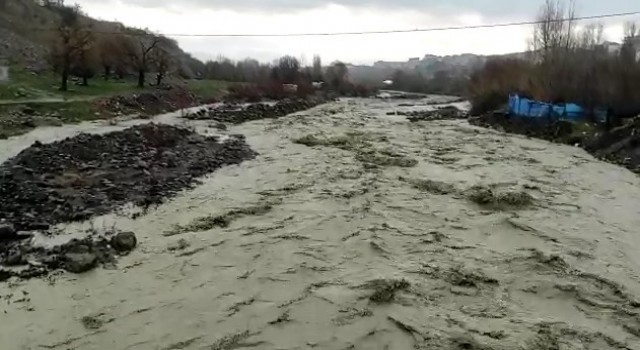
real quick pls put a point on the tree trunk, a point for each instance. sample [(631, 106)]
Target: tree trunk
[(141, 78), (65, 78)]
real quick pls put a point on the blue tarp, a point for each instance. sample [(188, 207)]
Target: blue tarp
[(527, 108)]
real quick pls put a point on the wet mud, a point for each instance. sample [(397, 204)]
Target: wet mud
[(488, 241)]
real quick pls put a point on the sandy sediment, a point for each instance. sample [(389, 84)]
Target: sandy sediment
[(375, 233)]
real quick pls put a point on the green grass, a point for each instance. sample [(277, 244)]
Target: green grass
[(208, 88), (25, 85), (67, 112), (39, 92)]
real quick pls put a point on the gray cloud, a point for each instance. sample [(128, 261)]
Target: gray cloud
[(509, 8)]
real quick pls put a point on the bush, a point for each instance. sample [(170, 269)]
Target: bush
[(487, 102), (491, 85), (244, 92)]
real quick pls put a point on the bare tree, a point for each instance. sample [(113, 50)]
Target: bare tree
[(139, 48), (553, 34), (72, 41), (111, 52), (553, 42), (337, 75), (316, 71), (631, 30), (161, 59), (86, 65), (287, 71), (591, 36)]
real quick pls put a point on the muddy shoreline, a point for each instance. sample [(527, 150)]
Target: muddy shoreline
[(618, 146)]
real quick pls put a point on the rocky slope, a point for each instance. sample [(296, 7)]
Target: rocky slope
[(25, 26)]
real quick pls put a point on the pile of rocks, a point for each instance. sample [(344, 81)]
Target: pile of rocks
[(153, 102), (13, 121), (77, 178), (447, 112), (76, 256), (237, 114)]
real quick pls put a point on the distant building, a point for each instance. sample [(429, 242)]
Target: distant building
[(50, 2), (612, 48)]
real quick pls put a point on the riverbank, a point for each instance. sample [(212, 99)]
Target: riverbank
[(620, 145), (18, 116)]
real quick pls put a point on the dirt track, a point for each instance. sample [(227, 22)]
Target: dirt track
[(337, 247)]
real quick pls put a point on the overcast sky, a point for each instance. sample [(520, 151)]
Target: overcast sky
[(319, 16)]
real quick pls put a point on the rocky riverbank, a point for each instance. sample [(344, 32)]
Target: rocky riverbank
[(442, 113), (88, 175), (620, 145), (18, 117), (237, 114)]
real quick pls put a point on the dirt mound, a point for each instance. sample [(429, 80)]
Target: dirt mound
[(77, 178), (162, 100), (237, 114), (620, 145)]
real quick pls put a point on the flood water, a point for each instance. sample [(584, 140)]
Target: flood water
[(313, 272)]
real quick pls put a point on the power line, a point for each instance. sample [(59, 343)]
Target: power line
[(396, 31)]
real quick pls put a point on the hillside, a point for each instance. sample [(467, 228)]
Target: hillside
[(428, 66), (24, 32)]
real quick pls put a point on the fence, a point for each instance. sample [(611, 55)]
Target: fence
[(527, 108)]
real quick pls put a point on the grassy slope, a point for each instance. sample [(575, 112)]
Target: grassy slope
[(80, 104), (28, 86), (19, 17)]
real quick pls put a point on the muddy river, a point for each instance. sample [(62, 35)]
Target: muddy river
[(338, 247)]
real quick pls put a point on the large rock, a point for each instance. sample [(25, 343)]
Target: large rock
[(124, 242), (7, 232), (80, 262)]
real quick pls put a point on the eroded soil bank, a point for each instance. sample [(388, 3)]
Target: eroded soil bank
[(620, 145), (353, 229)]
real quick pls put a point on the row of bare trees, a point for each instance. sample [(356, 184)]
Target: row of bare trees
[(286, 70), (77, 49), (566, 63)]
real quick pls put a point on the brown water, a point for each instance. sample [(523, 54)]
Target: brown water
[(311, 272)]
